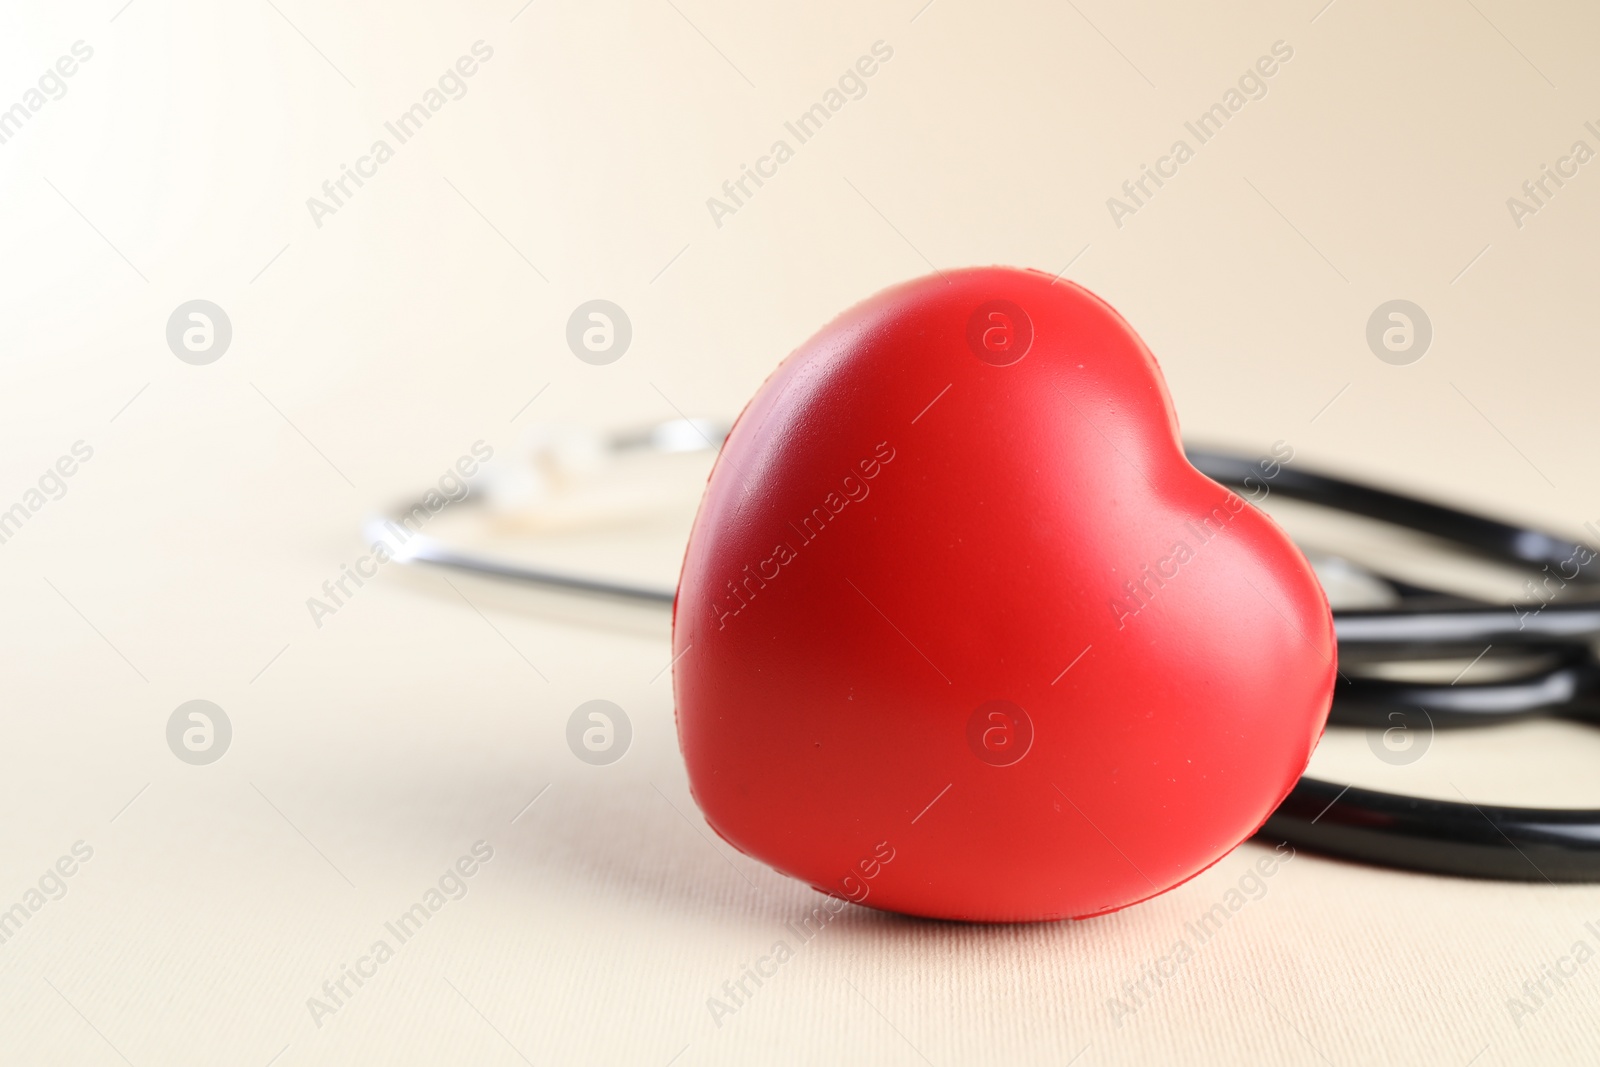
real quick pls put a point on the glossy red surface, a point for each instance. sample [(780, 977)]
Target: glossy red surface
[(905, 627)]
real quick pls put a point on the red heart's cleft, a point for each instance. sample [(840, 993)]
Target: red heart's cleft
[(954, 597)]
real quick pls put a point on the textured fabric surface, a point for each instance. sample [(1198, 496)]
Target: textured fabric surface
[(410, 747)]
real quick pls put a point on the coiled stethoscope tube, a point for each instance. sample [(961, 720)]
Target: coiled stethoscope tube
[(1386, 829), (1442, 836)]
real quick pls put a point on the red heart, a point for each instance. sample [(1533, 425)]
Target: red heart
[(962, 634)]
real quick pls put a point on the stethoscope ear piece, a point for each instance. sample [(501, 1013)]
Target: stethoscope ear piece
[(1349, 585)]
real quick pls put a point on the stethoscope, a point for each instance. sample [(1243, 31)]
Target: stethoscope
[(1418, 623)]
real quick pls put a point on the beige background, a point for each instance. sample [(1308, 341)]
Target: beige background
[(371, 352)]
